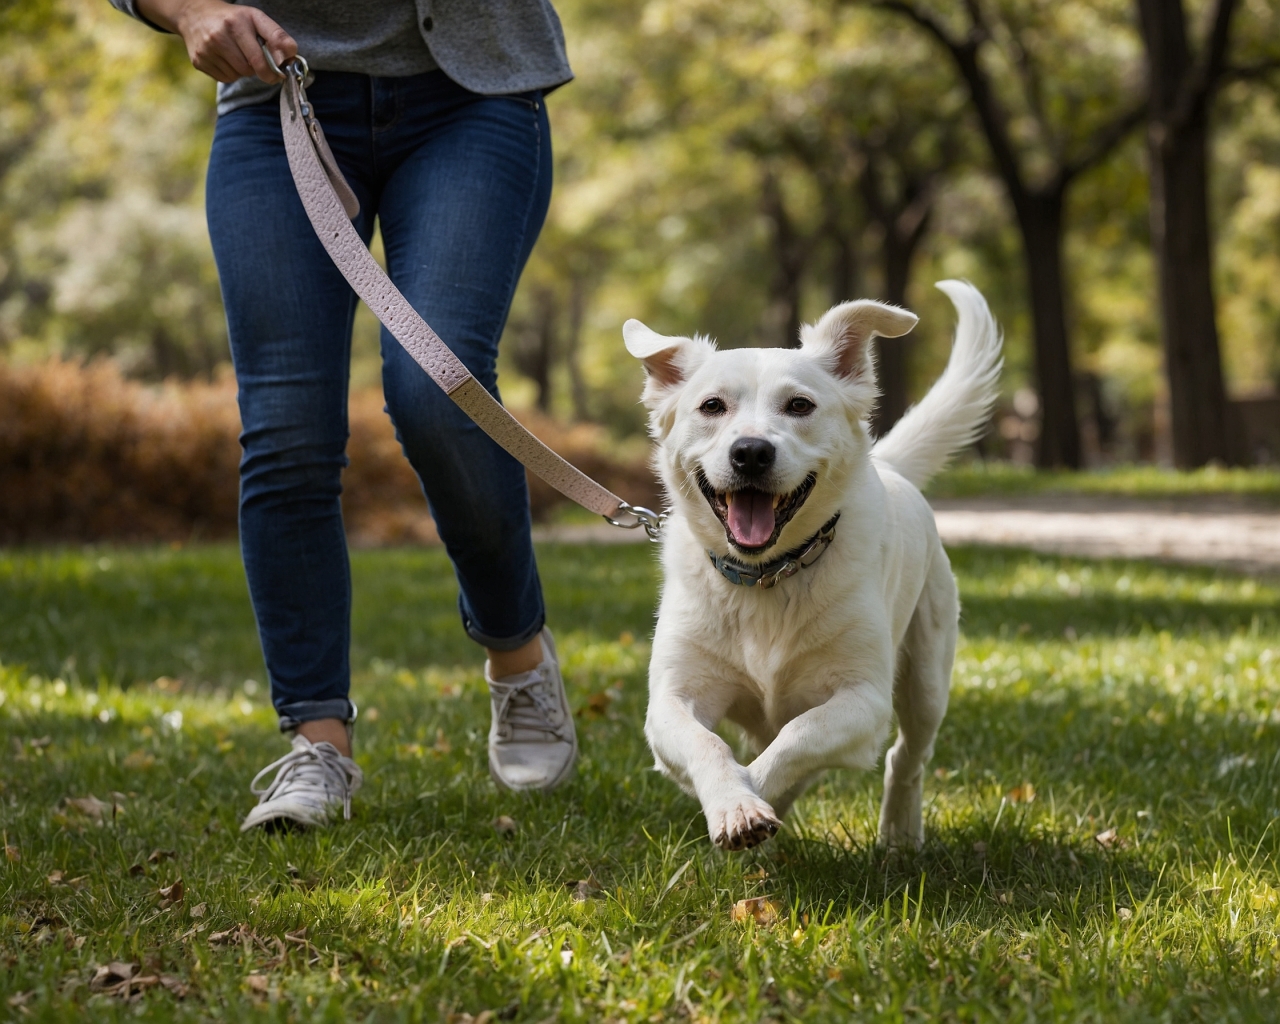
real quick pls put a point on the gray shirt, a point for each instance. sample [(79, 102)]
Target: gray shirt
[(487, 46)]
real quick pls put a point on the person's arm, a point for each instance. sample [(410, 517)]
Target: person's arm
[(222, 38)]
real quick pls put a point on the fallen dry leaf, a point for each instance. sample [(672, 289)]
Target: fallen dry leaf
[(198, 910), (135, 870), (257, 983), (138, 759), (587, 889), (157, 856), (171, 894), (760, 909), (109, 976), (1111, 840), (237, 934), (92, 808), (174, 985), (1023, 794), (55, 878), (758, 875), (1124, 913), (597, 705), (504, 825), (12, 854)]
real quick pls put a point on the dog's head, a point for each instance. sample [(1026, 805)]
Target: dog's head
[(754, 444)]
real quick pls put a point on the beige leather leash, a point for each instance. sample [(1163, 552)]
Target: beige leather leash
[(331, 205)]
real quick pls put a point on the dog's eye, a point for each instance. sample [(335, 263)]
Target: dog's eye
[(712, 407), (800, 406)]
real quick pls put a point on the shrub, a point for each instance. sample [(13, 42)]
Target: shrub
[(88, 455)]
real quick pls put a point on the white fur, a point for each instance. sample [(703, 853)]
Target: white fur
[(813, 669)]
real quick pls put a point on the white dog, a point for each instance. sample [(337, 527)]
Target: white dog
[(807, 597)]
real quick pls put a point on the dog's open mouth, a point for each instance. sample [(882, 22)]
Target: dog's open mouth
[(753, 519)]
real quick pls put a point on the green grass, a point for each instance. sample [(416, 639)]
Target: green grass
[(1002, 479), (1129, 697)]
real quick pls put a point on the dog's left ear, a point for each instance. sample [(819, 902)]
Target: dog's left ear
[(845, 331)]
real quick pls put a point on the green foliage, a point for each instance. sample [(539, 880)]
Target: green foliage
[(1099, 814), (711, 161), (103, 246)]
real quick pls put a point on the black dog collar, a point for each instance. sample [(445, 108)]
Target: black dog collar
[(770, 573)]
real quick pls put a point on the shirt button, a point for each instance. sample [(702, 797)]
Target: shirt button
[(428, 23)]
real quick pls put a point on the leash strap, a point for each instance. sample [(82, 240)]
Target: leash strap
[(331, 205)]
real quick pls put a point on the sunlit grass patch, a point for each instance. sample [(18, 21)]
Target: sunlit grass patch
[(1099, 814), (1001, 479)]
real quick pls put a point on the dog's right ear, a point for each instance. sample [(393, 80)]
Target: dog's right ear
[(668, 362)]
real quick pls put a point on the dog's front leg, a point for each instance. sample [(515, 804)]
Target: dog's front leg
[(847, 731), (685, 748)]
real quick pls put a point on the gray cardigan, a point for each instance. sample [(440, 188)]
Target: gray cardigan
[(487, 46)]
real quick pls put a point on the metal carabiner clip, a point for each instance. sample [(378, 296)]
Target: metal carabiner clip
[(651, 521), (297, 67)]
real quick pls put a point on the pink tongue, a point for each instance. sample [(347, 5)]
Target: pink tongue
[(751, 518)]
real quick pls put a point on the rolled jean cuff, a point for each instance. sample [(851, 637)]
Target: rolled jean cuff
[(511, 643), (294, 714)]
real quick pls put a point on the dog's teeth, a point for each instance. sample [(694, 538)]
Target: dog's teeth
[(728, 498), (776, 498)]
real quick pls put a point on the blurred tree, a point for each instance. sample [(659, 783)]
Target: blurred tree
[(1181, 83), (103, 247), (1051, 84)]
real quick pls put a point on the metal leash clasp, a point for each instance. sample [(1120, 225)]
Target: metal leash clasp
[(298, 69), (651, 521)]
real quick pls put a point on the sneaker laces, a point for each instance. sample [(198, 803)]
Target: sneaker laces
[(523, 702), (315, 765)]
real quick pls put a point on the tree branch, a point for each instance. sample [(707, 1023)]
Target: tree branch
[(1198, 86), (991, 115), (1250, 72), (1102, 142)]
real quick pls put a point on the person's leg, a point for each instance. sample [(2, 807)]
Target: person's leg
[(468, 184), (459, 215), (289, 316)]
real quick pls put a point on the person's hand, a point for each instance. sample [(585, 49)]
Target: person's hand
[(222, 38)]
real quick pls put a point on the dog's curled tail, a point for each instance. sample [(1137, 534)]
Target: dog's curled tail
[(955, 411)]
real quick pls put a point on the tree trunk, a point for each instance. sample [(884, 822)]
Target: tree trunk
[(573, 348), (1177, 149), (1040, 219), (789, 258), (893, 355), (1180, 236)]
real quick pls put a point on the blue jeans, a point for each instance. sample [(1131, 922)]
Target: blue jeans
[(460, 185)]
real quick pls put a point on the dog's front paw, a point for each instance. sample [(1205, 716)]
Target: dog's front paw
[(741, 824)]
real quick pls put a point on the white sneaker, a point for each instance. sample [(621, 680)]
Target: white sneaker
[(311, 782), (532, 743)]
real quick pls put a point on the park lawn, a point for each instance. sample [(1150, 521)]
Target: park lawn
[(1099, 814), (1258, 487)]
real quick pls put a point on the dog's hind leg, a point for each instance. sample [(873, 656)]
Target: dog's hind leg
[(921, 686)]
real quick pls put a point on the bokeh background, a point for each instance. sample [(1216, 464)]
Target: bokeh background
[(726, 168)]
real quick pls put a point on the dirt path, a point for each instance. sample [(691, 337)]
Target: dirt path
[(1219, 532), (1224, 533)]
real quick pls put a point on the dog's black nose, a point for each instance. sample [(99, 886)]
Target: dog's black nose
[(752, 456)]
